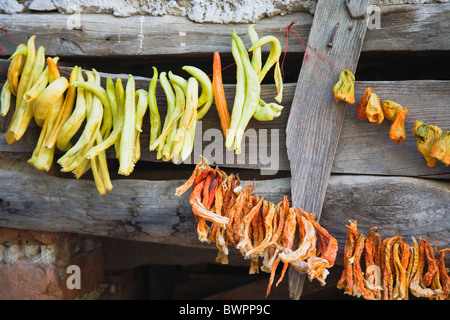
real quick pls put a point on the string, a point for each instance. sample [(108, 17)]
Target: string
[(322, 57)]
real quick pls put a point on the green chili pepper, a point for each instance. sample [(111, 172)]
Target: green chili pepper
[(71, 158), (155, 119), (178, 136), (253, 90), (274, 54), (5, 99), (207, 96), (239, 97), (120, 94), (180, 81), (126, 165), (257, 53), (189, 118), (118, 127), (73, 124)]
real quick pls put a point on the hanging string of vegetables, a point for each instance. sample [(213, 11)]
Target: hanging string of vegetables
[(249, 75), (228, 214), (431, 142), (390, 269)]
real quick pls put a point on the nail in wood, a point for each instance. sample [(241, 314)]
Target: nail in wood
[(333, 35)]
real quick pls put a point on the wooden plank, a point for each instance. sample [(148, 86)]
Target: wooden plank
[(363, 148), (133, 211), (315, 119), (410, 27)]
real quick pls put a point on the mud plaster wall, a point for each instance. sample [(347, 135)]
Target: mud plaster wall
[(211, 11)]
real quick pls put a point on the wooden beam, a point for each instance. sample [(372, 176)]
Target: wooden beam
[(363, 148), (315, 119), (105, 35), (133, 211)]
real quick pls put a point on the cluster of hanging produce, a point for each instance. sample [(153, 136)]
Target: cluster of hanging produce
[(228, 214), (432, 143), (83, 119), (391, 269)]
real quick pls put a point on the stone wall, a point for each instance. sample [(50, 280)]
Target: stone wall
[(213, 11)]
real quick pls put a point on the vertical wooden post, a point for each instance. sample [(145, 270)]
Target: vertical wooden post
[(315, 119)]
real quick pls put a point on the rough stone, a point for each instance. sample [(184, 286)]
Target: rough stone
[(202, 11), (11, 6), (42, 5), (33, 264)]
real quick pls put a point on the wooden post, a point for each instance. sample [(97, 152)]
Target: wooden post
[(315, 120)]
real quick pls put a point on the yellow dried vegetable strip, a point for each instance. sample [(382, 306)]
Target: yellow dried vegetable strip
[(346, 280), (388, 281), (432, 267), (445, 278), (401, 286), (417, 287), (358, 276)]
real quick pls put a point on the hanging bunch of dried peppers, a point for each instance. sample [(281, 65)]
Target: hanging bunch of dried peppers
[(390, 269), (229, 214), (431, 142)]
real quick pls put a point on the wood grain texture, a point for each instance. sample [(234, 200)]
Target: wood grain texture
[(410, 27), (315, 119), (133, 211), (363, 148)]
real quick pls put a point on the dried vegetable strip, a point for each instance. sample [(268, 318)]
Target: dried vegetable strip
[(432, 142), (391, 269), (229, 214)]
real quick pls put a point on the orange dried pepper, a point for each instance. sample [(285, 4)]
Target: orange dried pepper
[(441, 148), (426, 136), (219, 94), (374, 112), (362, 105), (390, 109), (344, 89), (397, 132)]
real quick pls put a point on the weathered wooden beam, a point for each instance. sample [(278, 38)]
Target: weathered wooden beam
[(133, 210), (315, 119), (363, 148), (105, 35)]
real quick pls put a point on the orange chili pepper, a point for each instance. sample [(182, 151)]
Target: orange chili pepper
[(362, 105), (219, 94), (397, 132)]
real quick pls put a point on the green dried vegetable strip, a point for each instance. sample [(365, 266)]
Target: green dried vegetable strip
[(239, 97), (206, 98), (169, 120), (278, 77), (257, 53), (189, 121), (155, 119), (93, 123), (5, 99), (120, 94), (20, 50), (118, 127), (73, 124), (253, 90), (112, 97), (141, 100), (267, 111), (274, 54), (178, 136), (126, 165), (26, 71), (180, 104), (141, 107), (180, 81)]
